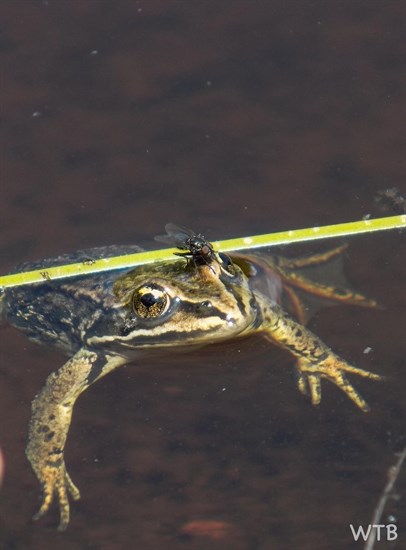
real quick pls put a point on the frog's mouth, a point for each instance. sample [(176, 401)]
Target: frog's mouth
[(161, 336), (185, 323)]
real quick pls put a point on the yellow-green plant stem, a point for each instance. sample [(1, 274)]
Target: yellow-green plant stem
[(257, 241)]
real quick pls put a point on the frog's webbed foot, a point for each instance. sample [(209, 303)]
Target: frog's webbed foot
[(334, 369), (56, 481)]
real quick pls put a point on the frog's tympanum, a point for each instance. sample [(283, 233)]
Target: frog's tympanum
[(107, 320)]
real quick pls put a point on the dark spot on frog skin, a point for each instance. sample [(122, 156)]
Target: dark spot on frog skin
[(43, 429), (49, 436)]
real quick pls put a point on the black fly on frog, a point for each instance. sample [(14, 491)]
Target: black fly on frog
[(196, 246)]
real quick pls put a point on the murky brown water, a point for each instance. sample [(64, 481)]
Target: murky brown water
[(234, 118)]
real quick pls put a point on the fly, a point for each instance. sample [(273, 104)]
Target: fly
[(196, 246)]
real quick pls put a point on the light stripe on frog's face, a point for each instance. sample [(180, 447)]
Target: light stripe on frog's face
[(169, 304)]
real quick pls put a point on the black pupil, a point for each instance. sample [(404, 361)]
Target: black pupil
[(149, 300)]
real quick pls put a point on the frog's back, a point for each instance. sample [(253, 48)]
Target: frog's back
[(86, 255), (60, 313)]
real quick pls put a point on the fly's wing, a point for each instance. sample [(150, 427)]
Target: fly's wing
[(176, 235)]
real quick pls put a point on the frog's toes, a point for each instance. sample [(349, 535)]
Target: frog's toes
[(309, 384), (332, 368), (56, 480), (361, 372)]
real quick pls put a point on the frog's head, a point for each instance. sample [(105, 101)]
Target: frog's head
[(177, 303)]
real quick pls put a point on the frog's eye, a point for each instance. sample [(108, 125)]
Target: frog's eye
[(150, 301)]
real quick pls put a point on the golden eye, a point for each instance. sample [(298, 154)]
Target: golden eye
[(150, 301)]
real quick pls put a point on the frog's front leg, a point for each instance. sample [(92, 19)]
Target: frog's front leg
[(314, 359), (49, 425)]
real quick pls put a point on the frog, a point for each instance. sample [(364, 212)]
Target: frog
[(200, 297)]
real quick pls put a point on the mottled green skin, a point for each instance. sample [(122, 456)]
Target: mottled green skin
[(100, 322)]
